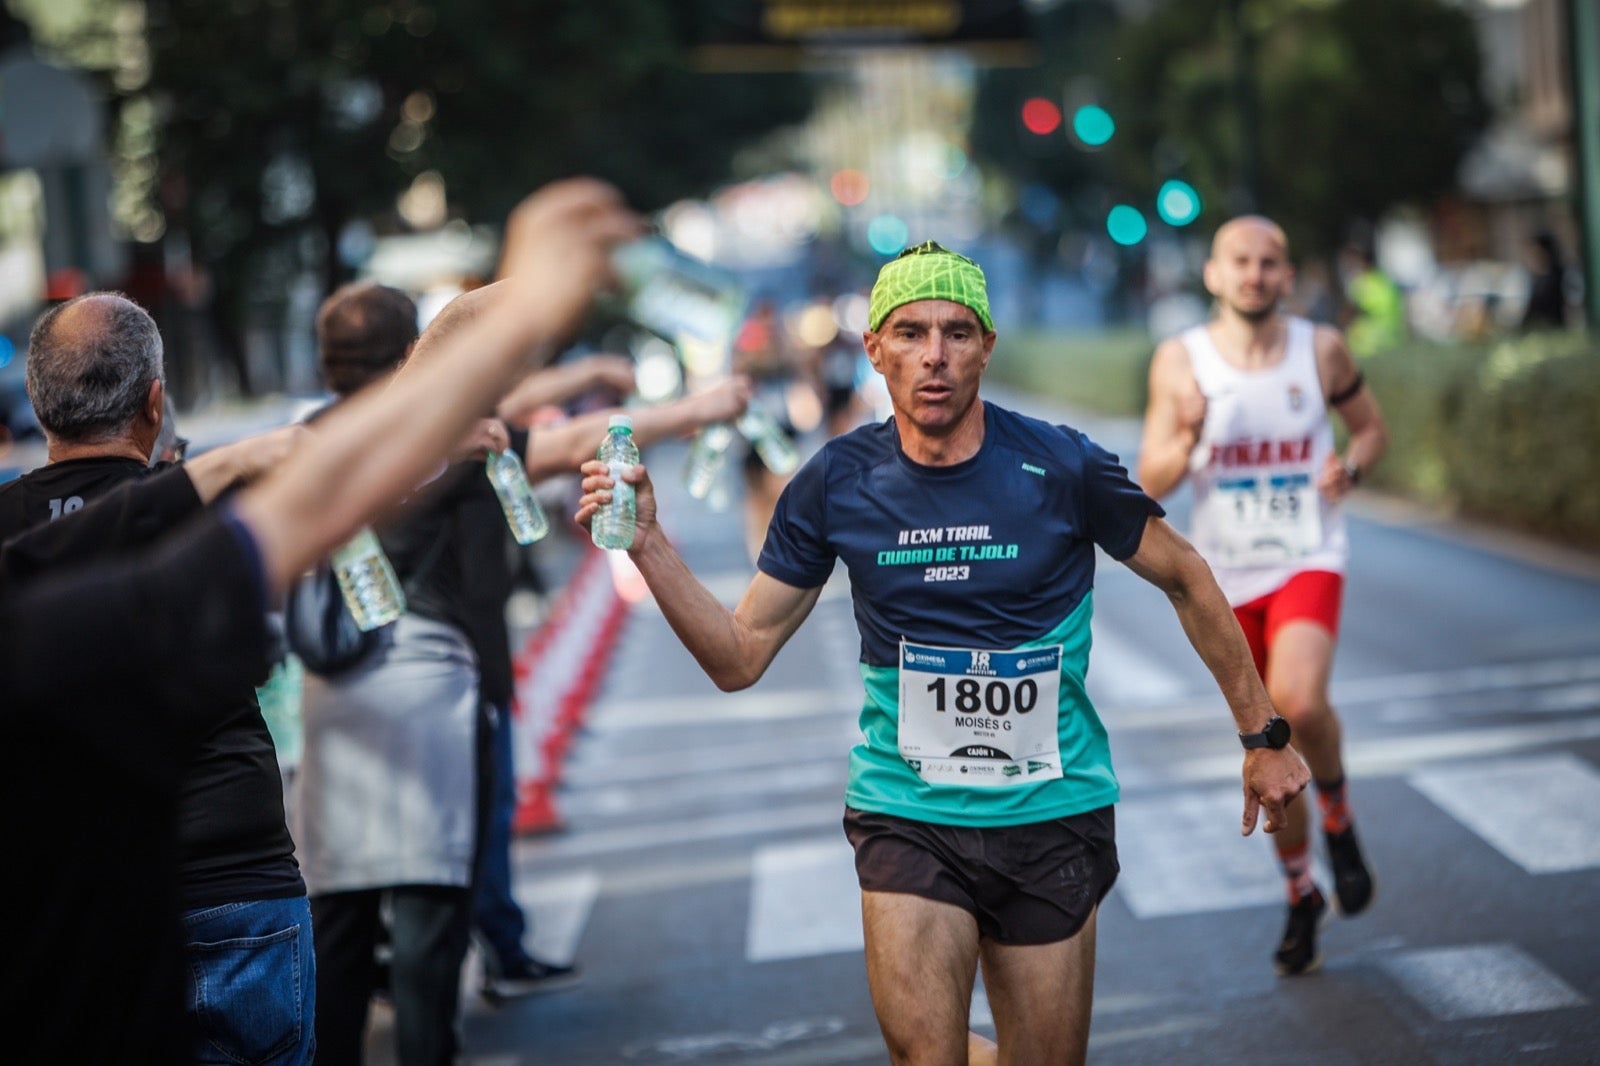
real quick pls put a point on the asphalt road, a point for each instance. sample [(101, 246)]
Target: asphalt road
[(704, 886)]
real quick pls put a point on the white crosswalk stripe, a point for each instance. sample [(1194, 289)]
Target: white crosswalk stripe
[(1182, 854), (1479, 981), (804, 900), (1539, 812)]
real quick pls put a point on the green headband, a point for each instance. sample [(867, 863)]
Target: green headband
[(929, 272)]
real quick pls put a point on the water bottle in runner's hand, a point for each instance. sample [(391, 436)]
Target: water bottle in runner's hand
[(510, 480), (706, 459), (365, 576), (769, 440), (612, 525)]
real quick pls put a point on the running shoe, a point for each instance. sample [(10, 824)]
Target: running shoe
[(1353, 883), (1298, 953), (529, 978)]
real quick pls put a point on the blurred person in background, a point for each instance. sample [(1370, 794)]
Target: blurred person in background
[(1374, 315), (762, 352), (1241, 407), (500, 924), (386, 802), (1547, 283)]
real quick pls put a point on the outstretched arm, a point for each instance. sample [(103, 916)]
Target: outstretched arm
[(376, 446), (734, 647), (1166, 560), (560, 449), (1172, 420), (558, 384)]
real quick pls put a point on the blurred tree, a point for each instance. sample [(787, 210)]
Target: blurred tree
[(281, 122), (1362, 105)]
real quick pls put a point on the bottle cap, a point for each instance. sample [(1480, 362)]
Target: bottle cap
[(622, 421)]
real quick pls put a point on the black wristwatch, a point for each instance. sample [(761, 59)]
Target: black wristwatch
[(1275, 735)]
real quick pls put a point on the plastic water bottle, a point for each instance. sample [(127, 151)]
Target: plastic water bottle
[(366, 578), (769, 440), (510, 480), (678, 296), (612, 526), (706, 459)]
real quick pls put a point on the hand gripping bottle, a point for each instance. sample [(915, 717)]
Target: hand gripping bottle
[(366, 578), (769, 440), (510, 480), (706, 459), (612, 526)]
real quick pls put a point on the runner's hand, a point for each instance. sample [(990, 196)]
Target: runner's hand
[(596, 486), (1334, 481), (1271, 780)]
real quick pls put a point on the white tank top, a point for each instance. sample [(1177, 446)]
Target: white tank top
[(1258, 517)]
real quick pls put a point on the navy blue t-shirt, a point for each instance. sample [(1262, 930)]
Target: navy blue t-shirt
[(993, 553)]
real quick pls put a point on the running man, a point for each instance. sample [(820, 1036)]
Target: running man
[(980, 798), (1240, 405)]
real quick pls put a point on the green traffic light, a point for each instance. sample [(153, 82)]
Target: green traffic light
[(1093, 125), (1177, 203), (1126, 225)]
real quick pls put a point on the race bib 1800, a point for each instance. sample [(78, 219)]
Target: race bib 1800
[(980, 719)]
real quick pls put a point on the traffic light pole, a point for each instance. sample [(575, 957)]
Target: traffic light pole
[(1584, 18)]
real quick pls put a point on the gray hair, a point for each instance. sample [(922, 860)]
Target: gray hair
[(89, 375)]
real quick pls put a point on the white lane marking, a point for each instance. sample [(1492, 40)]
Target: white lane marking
[(558, 909), (748, 706), (1121, 672), (1498, 677), (677, 831), (1385, 757), (1539, 811), (1181, 854), (657, 798), (1479, 981), (804, 900), (594, 770)]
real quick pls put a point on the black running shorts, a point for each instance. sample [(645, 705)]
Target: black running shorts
[(1025, 884)]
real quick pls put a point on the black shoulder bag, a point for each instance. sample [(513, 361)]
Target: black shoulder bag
[(320, 629)]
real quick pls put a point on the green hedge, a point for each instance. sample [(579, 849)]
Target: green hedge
[(1507, 430), (1103, 372)]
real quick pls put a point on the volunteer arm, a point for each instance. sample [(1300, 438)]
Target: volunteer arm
[(734, 647), (562, 448), (217, 469), (377, 445), (1346, 390), (1172, 420), (1167, 561), (558, 384)]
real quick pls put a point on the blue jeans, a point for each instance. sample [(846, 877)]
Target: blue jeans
[(251, 982), (498, 918)]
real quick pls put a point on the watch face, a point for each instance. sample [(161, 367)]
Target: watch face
[(1277, 733)]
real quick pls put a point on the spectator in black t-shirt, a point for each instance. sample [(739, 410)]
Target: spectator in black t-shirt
[(95, 378), (127, 661)]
